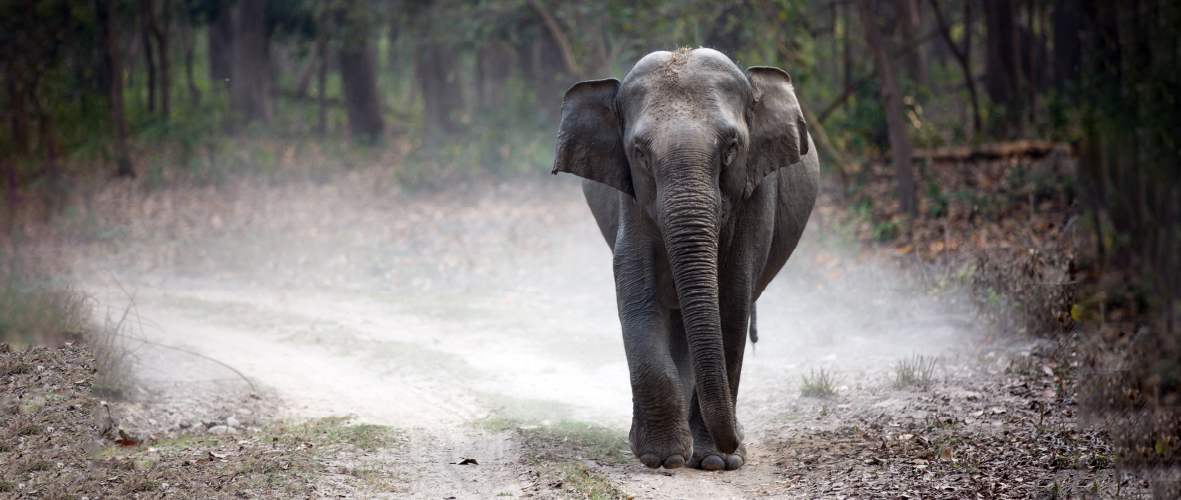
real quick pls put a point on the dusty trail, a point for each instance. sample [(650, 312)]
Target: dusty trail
[(430, 312)]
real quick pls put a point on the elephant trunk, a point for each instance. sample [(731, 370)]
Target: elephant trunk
[(689, 222)]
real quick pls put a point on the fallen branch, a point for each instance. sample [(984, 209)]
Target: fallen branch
[(253, 392), (993, 150)]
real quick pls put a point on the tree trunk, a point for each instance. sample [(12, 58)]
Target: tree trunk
[(1032, 61), (436, 67), (122, 157), (221, 46), (305, 75), (194, 92), (161, 32), (20, 114), (146, 19), (549, 76), (494, 64), (358, 75), (1067, 41), (892, 103), (1002, 73), (848, 52), (917, 61), (321, 83), (52, 166), (250, 86)]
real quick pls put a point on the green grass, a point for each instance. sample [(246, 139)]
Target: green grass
[(335, 430), (566, 439), (560, 451), (582, 482), (818, 383)]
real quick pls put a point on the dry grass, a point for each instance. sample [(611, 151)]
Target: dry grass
[(819, 383), (36, 309), (918, 370)]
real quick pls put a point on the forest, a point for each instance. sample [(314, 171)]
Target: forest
[(166, 94)]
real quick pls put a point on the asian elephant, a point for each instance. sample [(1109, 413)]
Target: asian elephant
[(701, 178)]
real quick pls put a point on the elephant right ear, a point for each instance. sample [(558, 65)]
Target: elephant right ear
[(590, 138)]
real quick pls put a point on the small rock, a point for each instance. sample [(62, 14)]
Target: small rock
[(185, 424), (245, 412), (233, 422), (219, 430)]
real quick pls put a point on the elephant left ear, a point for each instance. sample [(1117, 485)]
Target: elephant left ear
[(778, 134)]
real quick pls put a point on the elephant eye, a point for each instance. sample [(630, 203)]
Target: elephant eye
[(640, 158), (730, 152)]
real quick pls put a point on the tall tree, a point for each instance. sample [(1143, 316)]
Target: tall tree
[(1067, 20), (146, 21), (221, 46), (358, 75), (250, 85), (1002, 73), (918, 65), (122, 156), (900, 150), (437, 70), (160, 30)]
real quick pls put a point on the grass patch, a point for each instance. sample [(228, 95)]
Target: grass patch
[(819, 383), (559, 450), (566, 439), (918, 370), (580, 481), (336, 431)]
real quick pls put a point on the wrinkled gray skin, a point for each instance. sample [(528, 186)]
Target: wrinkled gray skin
[(701, 178)]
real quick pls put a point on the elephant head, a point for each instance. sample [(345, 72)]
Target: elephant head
[(689, 137)]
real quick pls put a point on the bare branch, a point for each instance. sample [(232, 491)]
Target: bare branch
[(560, 36)]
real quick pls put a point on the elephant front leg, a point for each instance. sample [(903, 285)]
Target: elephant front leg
[(660, 434)]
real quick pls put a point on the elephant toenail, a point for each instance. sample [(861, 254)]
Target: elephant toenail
[(651, 460), (713, 462), (674, 461), (734, 462)]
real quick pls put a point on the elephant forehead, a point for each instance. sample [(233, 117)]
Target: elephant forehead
[(682, 85)]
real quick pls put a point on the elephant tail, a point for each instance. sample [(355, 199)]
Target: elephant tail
[(754, 327)]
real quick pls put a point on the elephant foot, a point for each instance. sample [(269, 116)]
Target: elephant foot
[(712, 459), (661, 447), (707, 457)]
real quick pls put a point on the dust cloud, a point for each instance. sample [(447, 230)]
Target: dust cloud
[(431, 310)]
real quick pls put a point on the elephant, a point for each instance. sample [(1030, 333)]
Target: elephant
[(701, 178)]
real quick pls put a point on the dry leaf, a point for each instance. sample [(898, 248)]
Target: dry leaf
[(945, 454), (468, 461)]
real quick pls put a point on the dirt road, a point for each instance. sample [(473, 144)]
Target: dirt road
[(434, 312)]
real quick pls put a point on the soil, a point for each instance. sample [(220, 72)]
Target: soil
[(479, 323)]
